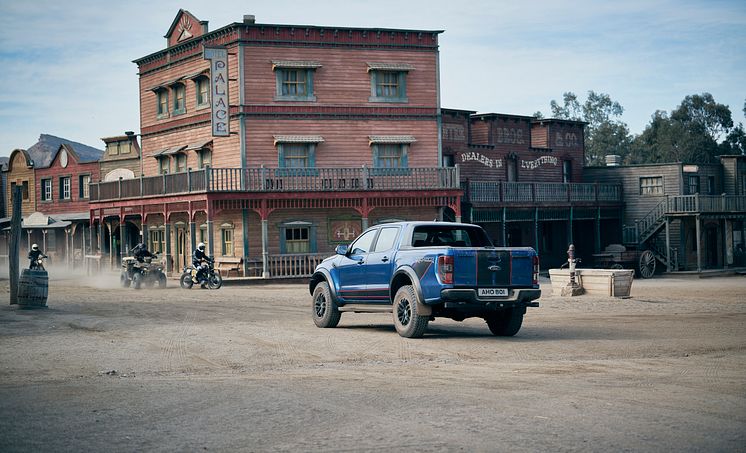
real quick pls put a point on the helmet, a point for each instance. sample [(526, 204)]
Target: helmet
[(201, 247), (34, 247)]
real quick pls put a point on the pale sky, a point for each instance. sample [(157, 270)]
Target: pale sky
[(67, 66)]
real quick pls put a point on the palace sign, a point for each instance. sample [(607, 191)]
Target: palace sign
[(218, 57)]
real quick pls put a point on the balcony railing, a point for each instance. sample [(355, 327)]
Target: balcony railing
[(541, 192), (278, 180)]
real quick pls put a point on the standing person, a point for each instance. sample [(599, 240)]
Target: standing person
[(34, 256)]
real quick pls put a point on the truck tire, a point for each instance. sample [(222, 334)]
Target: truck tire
[(506, 323), (325, 312), (408, 323)]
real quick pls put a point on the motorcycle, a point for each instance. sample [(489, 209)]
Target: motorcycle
[(208, 277), (38, 263), (139, 274)]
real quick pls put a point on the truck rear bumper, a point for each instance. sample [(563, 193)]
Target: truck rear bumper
[(454, 298)]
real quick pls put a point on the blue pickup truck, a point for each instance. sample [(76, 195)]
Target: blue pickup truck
[(422, 270)]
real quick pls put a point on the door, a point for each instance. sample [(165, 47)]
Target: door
[(711, 247), (181, 248), (380, 265), (351, 268)]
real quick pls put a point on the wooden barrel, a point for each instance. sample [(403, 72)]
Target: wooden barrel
[(33, 288)]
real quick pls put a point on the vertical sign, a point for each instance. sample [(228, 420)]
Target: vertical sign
[(218, 57)]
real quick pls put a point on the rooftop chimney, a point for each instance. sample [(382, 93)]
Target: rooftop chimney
[(249, 19), (613, 160)]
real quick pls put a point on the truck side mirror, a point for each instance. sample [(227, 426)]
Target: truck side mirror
[(341, 249)]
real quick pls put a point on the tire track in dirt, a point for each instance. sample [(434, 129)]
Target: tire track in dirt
[(174, 353)]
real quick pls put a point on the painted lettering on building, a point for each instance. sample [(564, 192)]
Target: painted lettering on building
[(482, 159), (218, 57), (536, 163), (510, 136), (454, 133), (568, 139)]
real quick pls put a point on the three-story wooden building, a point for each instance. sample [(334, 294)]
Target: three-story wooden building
[(289, 140)]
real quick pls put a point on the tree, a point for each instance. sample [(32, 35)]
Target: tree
[(605, 132), (735, 141), (689, 134)]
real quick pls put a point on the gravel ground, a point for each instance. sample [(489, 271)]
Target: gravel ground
[(244, 368)]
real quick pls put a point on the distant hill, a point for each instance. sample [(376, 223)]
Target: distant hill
[(44, 151)]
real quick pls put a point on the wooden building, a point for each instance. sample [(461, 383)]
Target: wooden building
[(522, 181), (691, 216), (274, 143)]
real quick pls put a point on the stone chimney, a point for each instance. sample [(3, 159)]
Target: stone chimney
[(613, 160), (249, 19)]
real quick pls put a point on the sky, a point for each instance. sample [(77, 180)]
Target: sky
[(67, 66)]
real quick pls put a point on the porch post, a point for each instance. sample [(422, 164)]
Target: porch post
[(569, 226), (122, 236), (668, 246), (536, 229), (699, 246), (111, 245), (245, 230), (597, 243), (505, 228), (210, 235), (167, 239), (265, 246), (44, 240), (28, 239)]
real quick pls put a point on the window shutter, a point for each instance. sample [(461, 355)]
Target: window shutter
[(404, 156), (312, 239), (402, 85), (62, 186), (375, 156), (311, 155), (281, 155), (283, 247)]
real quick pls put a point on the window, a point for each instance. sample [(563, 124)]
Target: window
[(297, 237), (566, 171), (363, 243), (181, 163), (386, 239), (512, 168), (226, 240), (294, 80), (205, 158), (113, 148), (164, 165), (651, 185), (203, 236), (711, 185), (389, 156), (84, 190), (296, 155), (65, 188), (156, 239), (125, 148), (179, 91), (46, 190), (24, 190), (297, 240), (162, 103), (202, 87), (692, 185), (388, 86)]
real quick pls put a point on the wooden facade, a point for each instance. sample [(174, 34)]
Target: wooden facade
[(331, 130), (691, 216), (522, 182)]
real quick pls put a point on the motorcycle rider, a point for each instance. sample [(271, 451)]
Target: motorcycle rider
[(33, 255), (198, 257)]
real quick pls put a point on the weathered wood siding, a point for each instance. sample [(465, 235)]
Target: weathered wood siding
[(18, 172)]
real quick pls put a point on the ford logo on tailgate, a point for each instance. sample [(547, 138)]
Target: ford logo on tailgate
[(495, 268)]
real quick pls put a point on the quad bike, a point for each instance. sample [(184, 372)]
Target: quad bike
[(140, 274), (208, 278)]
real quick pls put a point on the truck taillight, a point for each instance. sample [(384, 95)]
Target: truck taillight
[(445, 269), (536, 270)]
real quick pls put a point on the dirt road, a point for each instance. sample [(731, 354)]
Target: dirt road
[(244, 368)]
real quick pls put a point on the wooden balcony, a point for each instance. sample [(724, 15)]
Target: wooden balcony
[(265, 180), (541, 193)]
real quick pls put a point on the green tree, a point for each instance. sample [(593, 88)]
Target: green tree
[(605, 132), (689, 134)]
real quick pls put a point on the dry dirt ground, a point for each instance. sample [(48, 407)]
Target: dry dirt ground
[(243, 368)]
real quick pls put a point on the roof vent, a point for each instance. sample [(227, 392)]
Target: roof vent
[(249, 19), (613, 160)]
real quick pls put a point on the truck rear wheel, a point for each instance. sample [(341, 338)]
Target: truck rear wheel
[(325, 312), (408, 322), (506, 323)]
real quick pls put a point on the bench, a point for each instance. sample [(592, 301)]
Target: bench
[(227, 264)]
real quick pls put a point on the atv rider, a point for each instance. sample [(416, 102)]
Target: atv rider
[(198, 257), (34, 256), (140, 252)]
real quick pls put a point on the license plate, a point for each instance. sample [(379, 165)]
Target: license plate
[(493, 292)]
